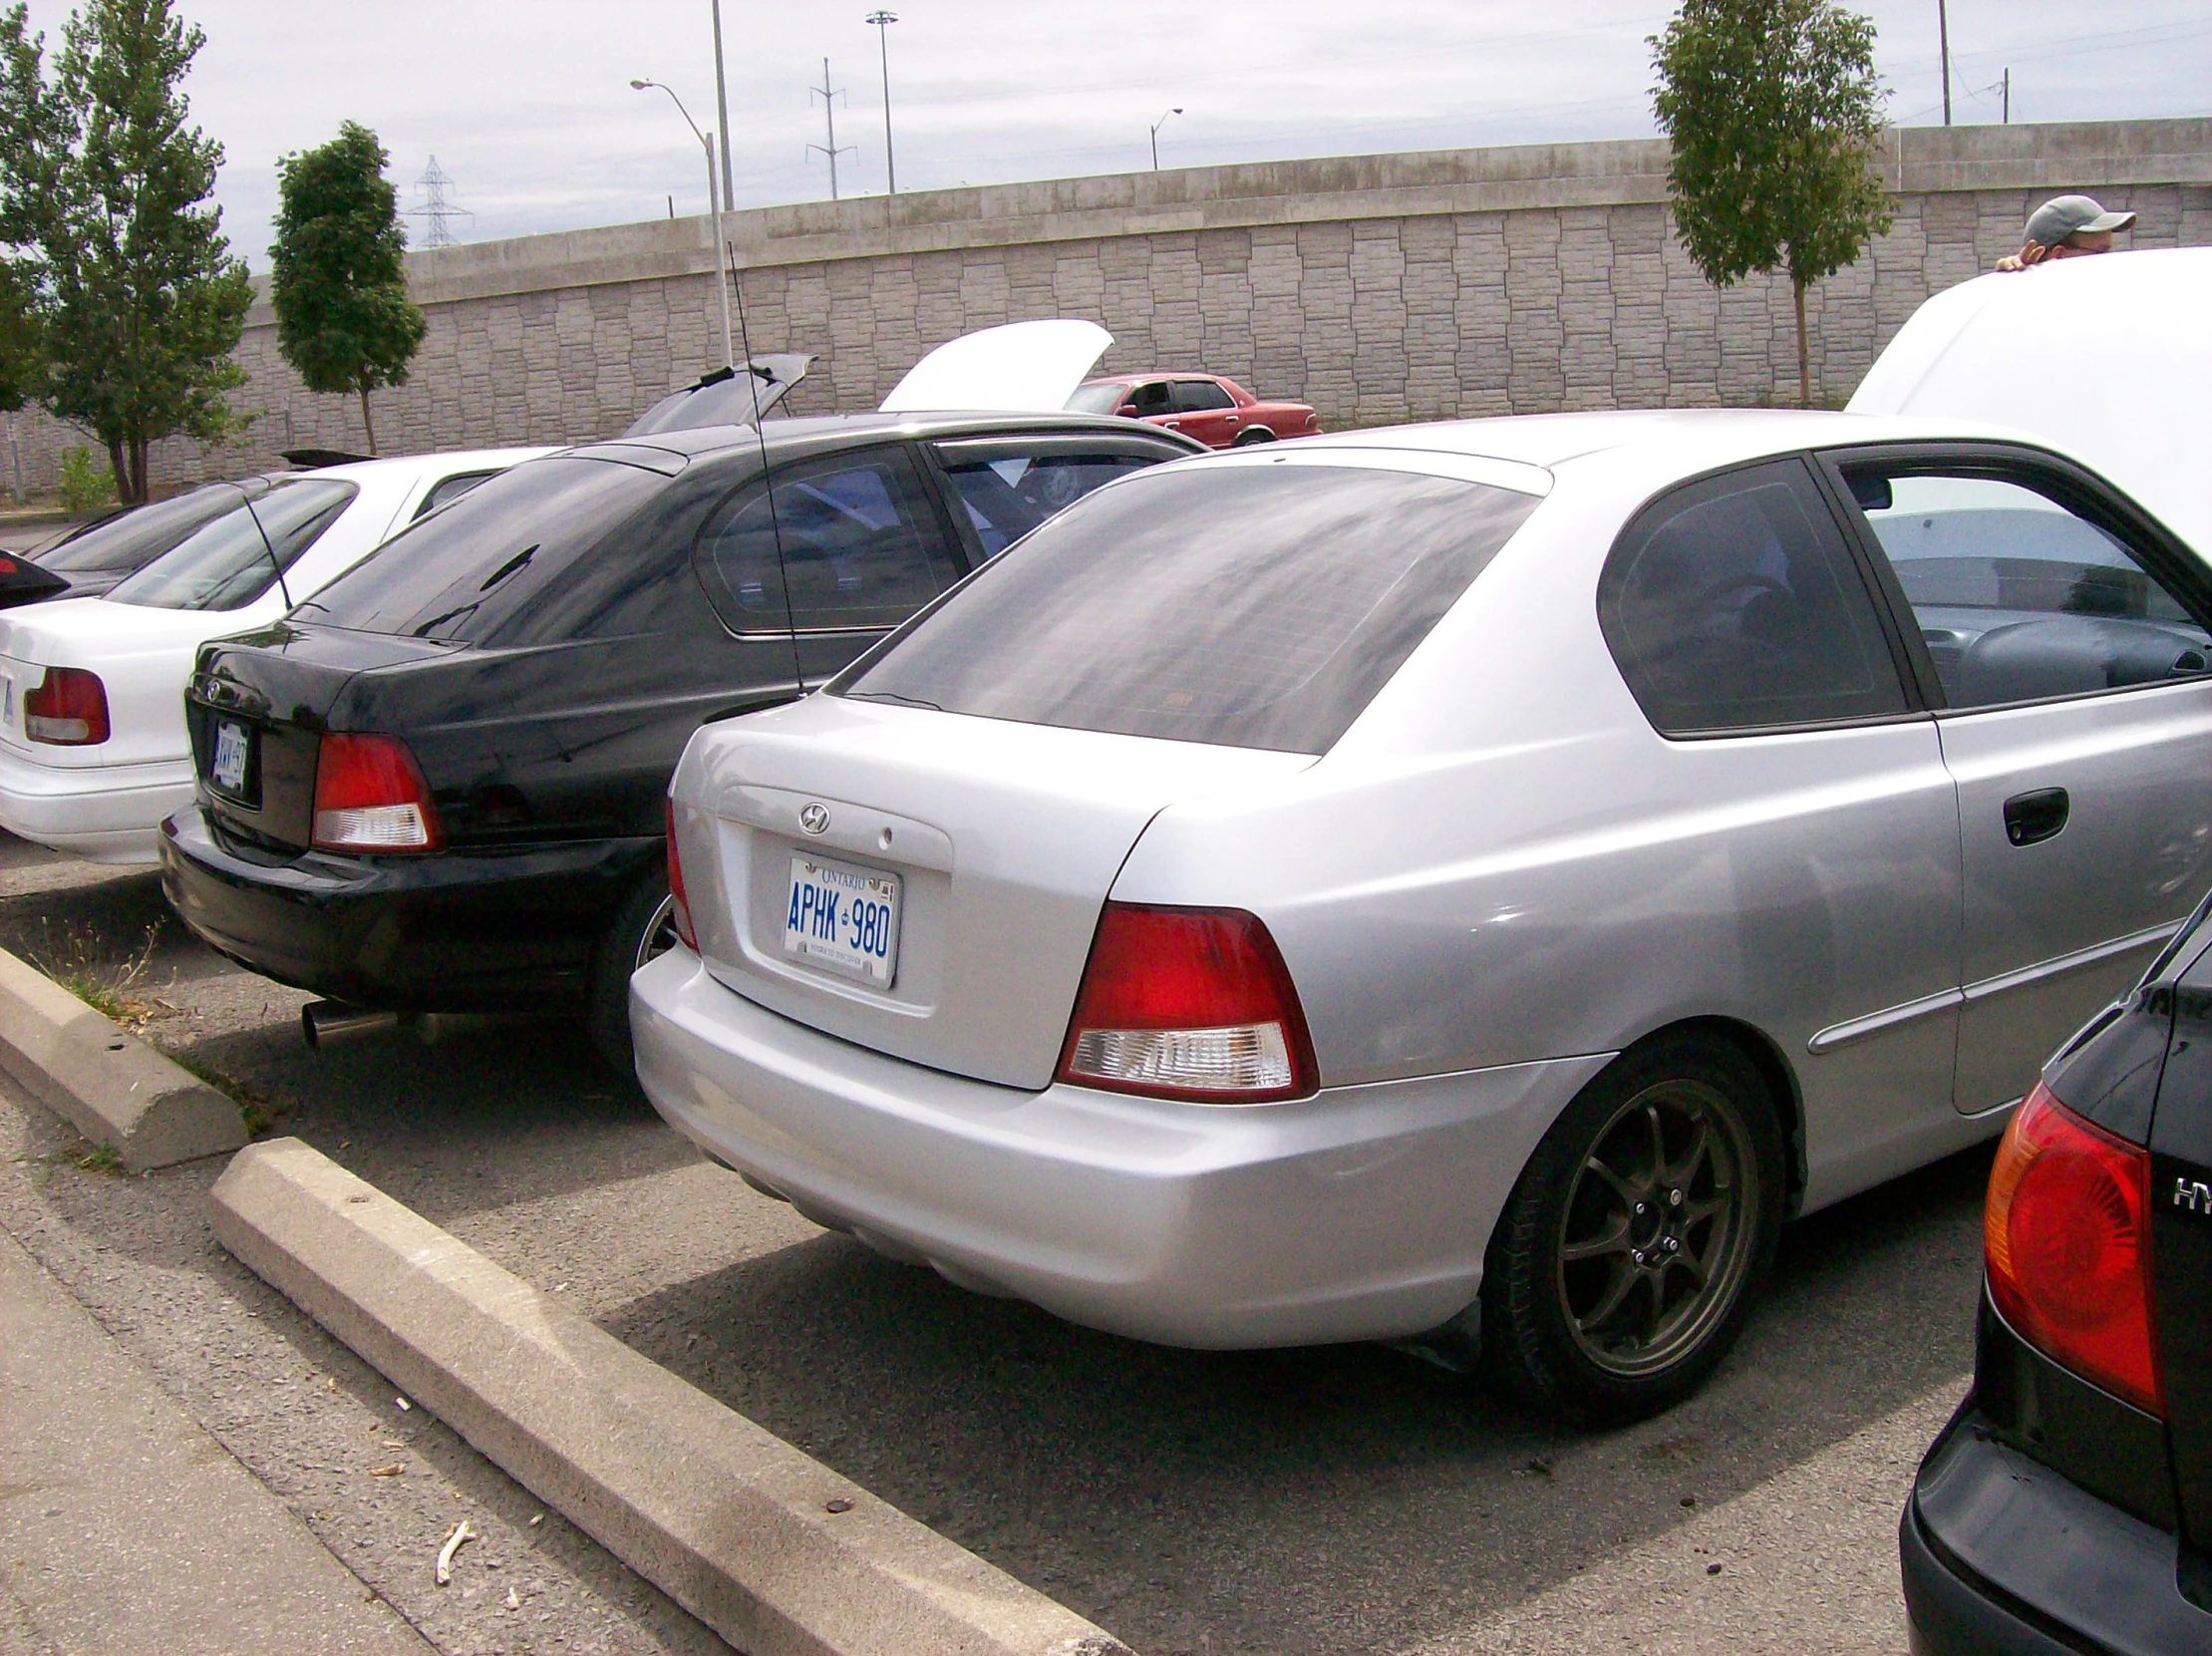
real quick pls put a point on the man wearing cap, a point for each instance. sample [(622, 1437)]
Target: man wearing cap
[(2064, 227)]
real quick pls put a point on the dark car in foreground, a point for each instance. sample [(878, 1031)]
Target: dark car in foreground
[(440, 785), (2068, 1507)]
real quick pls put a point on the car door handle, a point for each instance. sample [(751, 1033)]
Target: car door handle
[(2031, 818), (1229, 418)]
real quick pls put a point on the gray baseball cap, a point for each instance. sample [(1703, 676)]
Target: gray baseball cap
[(2062, 215)]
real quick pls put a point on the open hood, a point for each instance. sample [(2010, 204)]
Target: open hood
[(1020, 368), (726, 396), (2106, 358)]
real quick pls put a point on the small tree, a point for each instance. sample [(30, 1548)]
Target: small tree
[(337, 276), (1770, 105), (145, 303)]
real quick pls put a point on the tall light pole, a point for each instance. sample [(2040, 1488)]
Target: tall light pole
[(722, 114), (884, 21), (1156, 126), (714, 207), (1943, 51)]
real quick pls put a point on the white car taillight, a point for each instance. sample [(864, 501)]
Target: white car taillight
[(69, 709), (1189, 1003), (371, 797)]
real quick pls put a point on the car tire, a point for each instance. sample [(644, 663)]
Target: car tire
[(642, 929), (1628, 1256), (1258, 434)]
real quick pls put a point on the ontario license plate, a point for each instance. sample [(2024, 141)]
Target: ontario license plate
[(232, 752), (843, 920)]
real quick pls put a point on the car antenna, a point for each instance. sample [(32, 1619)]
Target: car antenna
[(270, 547), (752, 377)]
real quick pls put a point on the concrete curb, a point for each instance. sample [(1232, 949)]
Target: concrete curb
[(112, 1087), (777, 1554)]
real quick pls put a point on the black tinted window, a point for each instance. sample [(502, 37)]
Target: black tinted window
[(849, 543), (1151, 398), (1198, 396), (1008, 495), (144, 534), (1734, 605), (490, 556), (230, 561), (1251, 607), (2017, 596)]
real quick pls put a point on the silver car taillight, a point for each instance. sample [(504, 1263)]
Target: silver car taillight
[(1189, 1003)]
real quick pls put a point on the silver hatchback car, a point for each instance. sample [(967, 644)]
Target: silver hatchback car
[(1466, 884)]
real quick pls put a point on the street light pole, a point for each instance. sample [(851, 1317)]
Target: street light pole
[(1156, 126), (714, 207), (722, 114), (884, 21), (1943, 51)]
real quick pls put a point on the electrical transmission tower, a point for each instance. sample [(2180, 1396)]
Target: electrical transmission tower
[(435, 204), (829, 99)]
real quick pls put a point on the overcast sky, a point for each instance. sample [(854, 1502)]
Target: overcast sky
[(526, 103)]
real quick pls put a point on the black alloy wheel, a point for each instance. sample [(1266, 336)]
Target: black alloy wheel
[(1625, 1262), (642, 930)]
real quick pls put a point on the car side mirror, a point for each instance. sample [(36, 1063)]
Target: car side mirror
[(1128, 409), (1871, 491)]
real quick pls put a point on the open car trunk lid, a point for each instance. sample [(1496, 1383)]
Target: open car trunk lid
[(996, 842)]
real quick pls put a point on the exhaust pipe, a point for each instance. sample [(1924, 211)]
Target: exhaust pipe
[(332, 1023)]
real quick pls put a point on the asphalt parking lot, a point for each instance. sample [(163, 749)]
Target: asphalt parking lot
[(1338, 1500)]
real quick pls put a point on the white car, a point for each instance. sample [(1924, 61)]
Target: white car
[(93, 746), (2106, 358)]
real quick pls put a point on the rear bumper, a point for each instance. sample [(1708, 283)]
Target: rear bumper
[(1360, 1213), (449, 931), (103, 813), (2002, 1556)]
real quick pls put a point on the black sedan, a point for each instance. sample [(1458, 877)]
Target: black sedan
[(2068, 1507), (438, 786)]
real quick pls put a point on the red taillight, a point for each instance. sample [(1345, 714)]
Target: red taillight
[(1189, 1003), (370, 797), (2067, 1242), (67, 710), (680, 914)]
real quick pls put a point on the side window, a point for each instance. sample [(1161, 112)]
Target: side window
[(1735, 604), (2017, 597), (448, 489), (1200, 397), (850, 542), (1151, 398), (1008, 494)]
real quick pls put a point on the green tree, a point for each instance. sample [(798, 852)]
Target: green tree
[(1772, 109), (30, 138), (337, 276), (143, 300)]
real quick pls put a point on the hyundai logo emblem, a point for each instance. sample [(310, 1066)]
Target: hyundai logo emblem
[(814, 818)]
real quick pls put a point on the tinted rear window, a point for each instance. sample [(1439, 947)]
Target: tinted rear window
[(232, 559), (137, 536), (466, 570), (1248, 606)]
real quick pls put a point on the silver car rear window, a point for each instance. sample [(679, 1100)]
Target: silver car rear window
[(1249, 606)]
